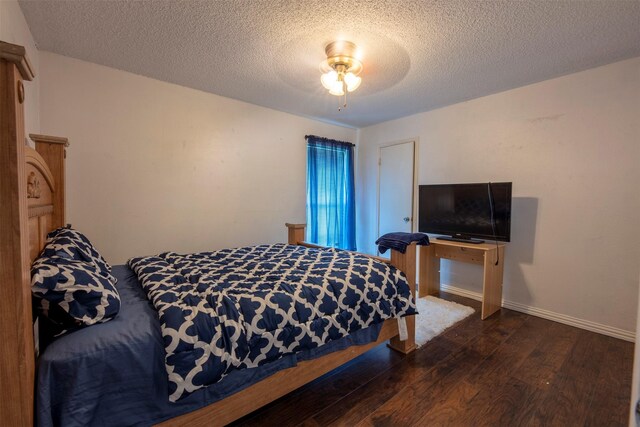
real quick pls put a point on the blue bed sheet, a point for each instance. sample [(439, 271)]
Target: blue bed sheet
[(113, 374)]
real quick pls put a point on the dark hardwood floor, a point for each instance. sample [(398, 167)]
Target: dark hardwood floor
[(509, 370)]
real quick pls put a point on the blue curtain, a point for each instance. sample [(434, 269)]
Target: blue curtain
[(331, 213)]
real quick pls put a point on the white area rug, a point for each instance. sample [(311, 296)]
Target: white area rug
[(436, 315)]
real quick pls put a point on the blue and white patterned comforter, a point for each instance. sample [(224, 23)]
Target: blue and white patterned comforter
[(241, 308)]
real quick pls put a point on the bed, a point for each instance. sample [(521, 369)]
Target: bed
[(32, 196)]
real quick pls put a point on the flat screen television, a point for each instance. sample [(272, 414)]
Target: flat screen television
[(464, 211)]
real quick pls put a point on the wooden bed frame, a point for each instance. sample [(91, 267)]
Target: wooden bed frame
[(32, 203)]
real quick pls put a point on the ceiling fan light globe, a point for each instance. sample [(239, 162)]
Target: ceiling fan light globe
[(349, 78), (329, 79), (337, 89), (352, 81)]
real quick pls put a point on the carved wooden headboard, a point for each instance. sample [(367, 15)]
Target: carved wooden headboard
[(45, 188), (40, 189)]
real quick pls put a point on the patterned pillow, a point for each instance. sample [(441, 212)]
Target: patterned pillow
[(72, 293), (71, 244)]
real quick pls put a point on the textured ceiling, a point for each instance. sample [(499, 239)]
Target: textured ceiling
[(418, 55)]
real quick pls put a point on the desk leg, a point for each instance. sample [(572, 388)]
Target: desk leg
[(492, 282), (406, 262), (429, 271)]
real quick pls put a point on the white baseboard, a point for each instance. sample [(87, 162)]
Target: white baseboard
[(550, 315), (462, 292)]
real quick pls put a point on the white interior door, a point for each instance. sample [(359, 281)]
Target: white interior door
[(395, 201)]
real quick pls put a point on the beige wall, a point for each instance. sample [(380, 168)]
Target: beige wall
[(571, 146), (14, 29), (155, 167)]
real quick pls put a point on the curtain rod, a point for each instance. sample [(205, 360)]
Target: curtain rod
[(323, 139)]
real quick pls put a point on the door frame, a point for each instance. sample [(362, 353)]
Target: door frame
[(414, 206)]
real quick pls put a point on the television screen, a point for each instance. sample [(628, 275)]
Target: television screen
[(464, 210)]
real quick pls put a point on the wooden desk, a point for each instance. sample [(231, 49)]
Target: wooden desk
[(484, 254)]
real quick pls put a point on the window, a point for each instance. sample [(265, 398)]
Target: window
[(330, 193)]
